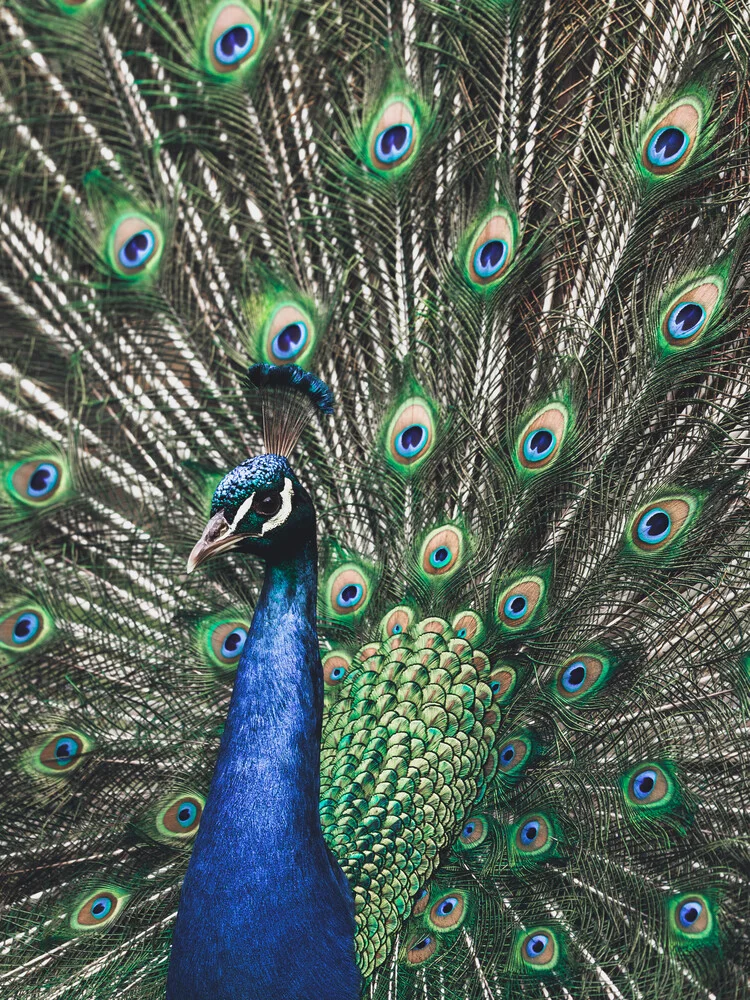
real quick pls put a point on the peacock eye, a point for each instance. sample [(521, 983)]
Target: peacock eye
[(440, 557), (539, 444), (137, 250), (515, 606), (689, 913), (667, 146), (507, 755), (685, 320), (529, 833), (66, 750), (42, 481), (35, 482), (536, 945), (654, 526), (397, 629), (490, 257), (449, 911), (26, 627), (394, 142), (574, 676), (234, 44), (412, 440), (474, 832), (289, 341), (61, 752), (98, 910), (266, 504), (350, 595), (421, 950), (234, 643), (644, 784)]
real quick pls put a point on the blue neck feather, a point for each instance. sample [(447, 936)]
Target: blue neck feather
[(265, 910)]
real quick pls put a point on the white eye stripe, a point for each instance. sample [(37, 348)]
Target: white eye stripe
[(286, 508), (241, 511)]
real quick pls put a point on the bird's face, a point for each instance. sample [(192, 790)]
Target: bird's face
[(259, 508)]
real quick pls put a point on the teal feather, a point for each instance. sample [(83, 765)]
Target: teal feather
[(517, 258)]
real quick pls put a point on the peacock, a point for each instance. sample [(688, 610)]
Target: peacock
[(374, 465)]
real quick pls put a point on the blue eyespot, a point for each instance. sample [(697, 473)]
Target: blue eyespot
[(667, 146), (397, 629), (515, 606), (468, 830), (536, 945), (539, 444), (446, 906), (66, 751), (644, 784), (187, 814), (421, 894), (289, 342), (441, 557), (393, 143), (350, 595), (530, 832), (494, 686), (686, 319), (689, 912), (137, 250), (574, 676), (654, 526), (507, 754), (412, 440), (234, 643), (26, 627), (42, 480), (490, 257), (420, 945), (337, 674), (461, 634), (234, 44), (101, 907)]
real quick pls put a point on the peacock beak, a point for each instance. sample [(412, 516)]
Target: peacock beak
[(217, 537)]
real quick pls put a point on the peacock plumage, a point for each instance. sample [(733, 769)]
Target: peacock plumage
[(476, 723)]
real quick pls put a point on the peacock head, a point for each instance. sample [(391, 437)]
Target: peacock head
[(261, 508)]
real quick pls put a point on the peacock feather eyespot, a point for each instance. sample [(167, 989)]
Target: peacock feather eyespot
[(225, 641), (422, 948), (502, 683), (336, 666), (37, 482), (492, 249), (474, 833), (59, 753), (649, 785), (449, 911), (180, 817), (233, 40), (658, 525), (540, 441), (671, 140), (393, 137), (347, 592), (581, 675), (135, 246), (411, 434), (468, 625), (687, 316), (25, 628), (421, 901), (397, 621), (538, 949), (441, 552), (692, 919), (98, 909), (513, 755), (532, 838), (519, 602), (287, 334)]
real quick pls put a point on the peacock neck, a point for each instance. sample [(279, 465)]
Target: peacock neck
[(265, 909)]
